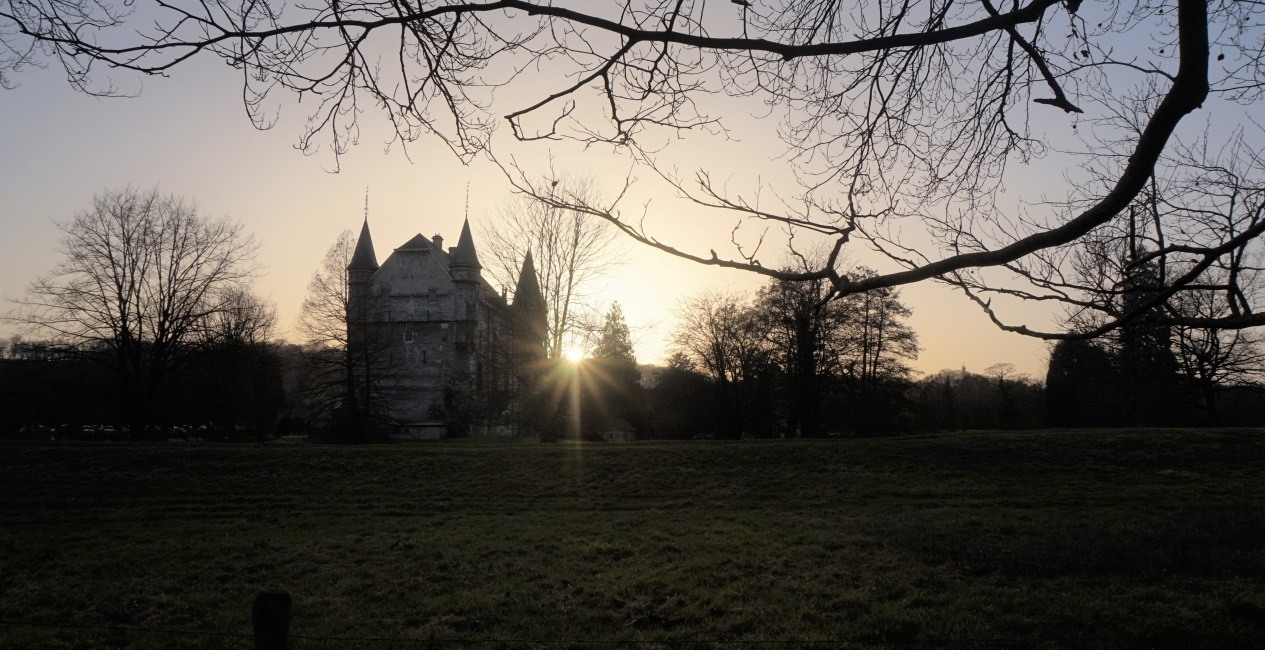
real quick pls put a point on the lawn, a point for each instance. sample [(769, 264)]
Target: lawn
[(1072, 538)]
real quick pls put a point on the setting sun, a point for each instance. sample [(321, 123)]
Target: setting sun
[(575, 355)]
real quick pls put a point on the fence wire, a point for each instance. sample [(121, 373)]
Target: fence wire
[(497, 641)]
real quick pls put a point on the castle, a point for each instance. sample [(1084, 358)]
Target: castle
[(448, 346)]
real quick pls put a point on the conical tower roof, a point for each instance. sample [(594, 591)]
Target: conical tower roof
[(464, 254), (527, 294), (364, 258)]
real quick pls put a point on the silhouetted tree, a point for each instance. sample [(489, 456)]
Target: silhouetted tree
[(1004, 376), (998, 399), (680, 401), (1081, 385), (349, 348), (810, 332), (942, 399), (1212, 360), (726, 339), (1146, 364), (900, 118), (34, 381), (571, 251), (237, 380), (299, 410), (610, 378), (877, 361), (1173, 315), (143, 276)]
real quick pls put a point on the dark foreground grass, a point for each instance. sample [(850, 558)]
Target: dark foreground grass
[(1135, 538)]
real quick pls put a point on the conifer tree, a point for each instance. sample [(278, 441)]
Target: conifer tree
[(614, 341), (611, 378)]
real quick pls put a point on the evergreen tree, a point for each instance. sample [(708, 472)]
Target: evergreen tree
[(1079, 385), (610, 378), (614, 341), (1148, 367)]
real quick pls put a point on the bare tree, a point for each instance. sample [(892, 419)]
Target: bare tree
[(808, 329), (1166, 284), (1194, 228), (571, 250), (323, 315), (877, 361), (727, 339), (851, 352), (143, 279), (901, 118), (347, 346), (236, 381), (241, 317), (1006, 378), (1211, 359)]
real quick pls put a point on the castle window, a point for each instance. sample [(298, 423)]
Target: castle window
[(408, 332), (423, 356)]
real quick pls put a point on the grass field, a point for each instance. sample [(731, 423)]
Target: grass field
[(1070, 538)]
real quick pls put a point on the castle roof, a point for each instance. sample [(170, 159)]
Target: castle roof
[(364, 259), (420, 242), (465, 255), (527, 294)]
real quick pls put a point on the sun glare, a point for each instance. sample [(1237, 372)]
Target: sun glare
[(575, 355)]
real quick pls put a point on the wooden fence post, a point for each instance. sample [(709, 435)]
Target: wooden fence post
[(271, 619)]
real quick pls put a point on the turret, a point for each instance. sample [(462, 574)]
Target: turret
[(465, 265), (465, 270), (530, 312), (360, 272), (363, 261)]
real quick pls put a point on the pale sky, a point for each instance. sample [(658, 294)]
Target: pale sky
[(189, 135)]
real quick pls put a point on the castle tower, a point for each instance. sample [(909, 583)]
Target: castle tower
[(465, 270), (537, 409), (530, 313), (364, 263)]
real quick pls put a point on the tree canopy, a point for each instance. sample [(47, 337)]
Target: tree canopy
[(146, 283), (903, 120)]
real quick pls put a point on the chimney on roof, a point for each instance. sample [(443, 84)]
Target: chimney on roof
[(438, 241)]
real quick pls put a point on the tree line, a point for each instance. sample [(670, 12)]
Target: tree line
[(148, 326), (795, 360), (147, 323)]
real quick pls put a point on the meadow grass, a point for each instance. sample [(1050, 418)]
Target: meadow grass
[(1122, 537)]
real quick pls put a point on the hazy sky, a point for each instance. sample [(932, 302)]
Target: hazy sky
[(190, 136)]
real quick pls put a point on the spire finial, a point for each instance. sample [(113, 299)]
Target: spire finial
[(366, 204), (364, 259), (467, 200)]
